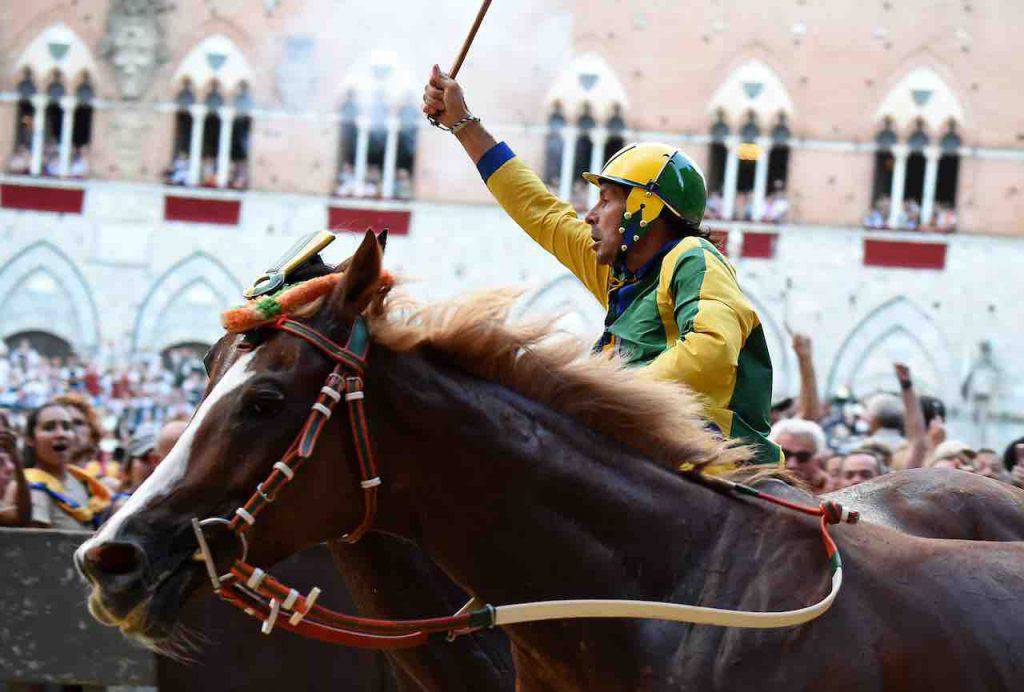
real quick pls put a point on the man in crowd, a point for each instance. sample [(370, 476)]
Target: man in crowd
[(803, 444), (858, 466), (674, 308), (144, 454)]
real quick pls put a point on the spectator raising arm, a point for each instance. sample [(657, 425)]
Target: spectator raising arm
[(917, 434), (16, 502), (810, 401)]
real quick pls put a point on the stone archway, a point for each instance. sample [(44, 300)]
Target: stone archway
[(184, 304), (41, 289), (895, 331)]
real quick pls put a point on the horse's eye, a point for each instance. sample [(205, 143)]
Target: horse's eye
[(262, 403)]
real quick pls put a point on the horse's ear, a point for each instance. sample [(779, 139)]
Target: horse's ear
[(362, 278), (382, 240)]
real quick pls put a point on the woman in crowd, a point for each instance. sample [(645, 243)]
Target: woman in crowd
[(63, 496)]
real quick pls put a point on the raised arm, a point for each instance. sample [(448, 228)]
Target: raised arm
[(551, 222), (913, 419), (810, 401)]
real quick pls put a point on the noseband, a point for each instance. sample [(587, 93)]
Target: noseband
[(261, 596)]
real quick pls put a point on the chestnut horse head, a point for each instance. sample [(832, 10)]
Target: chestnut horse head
[(142, 563)]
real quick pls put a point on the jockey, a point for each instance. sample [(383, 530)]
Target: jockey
[(675, 310)]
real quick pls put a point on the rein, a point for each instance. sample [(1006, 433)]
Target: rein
[(261, 596)]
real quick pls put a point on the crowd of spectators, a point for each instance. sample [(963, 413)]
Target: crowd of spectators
[(77, 438), (944, 218), (836, 444), (775, 210), (177, 172), (372, 187), (20, 161)]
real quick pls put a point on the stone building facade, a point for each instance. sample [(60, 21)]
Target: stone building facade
[(157, 155)]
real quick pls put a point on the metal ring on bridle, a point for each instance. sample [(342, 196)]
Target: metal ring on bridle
[(207, 555)]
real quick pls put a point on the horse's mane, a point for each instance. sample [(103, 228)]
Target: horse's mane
[(658, 419)]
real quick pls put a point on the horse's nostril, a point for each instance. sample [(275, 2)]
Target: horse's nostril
[(113, 559)]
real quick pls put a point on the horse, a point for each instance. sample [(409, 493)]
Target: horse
[(527, 473)]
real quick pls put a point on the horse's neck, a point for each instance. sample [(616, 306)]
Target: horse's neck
[(516, 501)]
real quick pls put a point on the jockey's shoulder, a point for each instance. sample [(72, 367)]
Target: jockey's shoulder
[(692, 247)]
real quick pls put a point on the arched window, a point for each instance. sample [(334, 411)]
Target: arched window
[(238, 175), (54, 112), (885, 140), (583, 157), (616, 132), (378, 130), (213, 123), (744, 170), (21, 157), (348, 114), (177, 172), (919, 103), (408, 121), (717, 155), (776, 204), (553, 146), (749, 152), (214, 101), (948, 176)]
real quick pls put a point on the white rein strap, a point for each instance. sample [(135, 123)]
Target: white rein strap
[(653, 610)]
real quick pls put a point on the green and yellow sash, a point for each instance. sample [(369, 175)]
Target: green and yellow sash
[(99, 494)]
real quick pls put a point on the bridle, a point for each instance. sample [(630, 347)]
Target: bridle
[(258, 594)]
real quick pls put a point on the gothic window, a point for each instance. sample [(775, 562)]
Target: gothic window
[(583, 151), (379, 121), (238, 175), (884, 162), (81, 134), (778, 159), (348, 113), (213, 122), (177, 172), (616, 127), (553, 147), (408, 124), (20, 160), (913, 183), (949, 166), (749, 150)]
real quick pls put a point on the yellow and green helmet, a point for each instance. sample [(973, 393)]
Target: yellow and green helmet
[(661, 177)]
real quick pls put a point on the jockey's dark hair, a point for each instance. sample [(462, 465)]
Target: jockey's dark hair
[(682, 228)]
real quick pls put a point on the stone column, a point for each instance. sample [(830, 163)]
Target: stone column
[(227, 126), (195, 148), (599, 136), (764, 145), (899, 177), (390, 158), (931, 177), (732, 168), (569, 133), (38, 123), (68, 103), (362, 152)]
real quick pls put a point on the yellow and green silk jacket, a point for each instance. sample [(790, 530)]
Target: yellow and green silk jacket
[(682, 317)]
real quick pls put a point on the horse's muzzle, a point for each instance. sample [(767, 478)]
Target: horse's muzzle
[(118, 572)]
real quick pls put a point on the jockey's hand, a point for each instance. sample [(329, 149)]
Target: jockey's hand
[(443, 99)]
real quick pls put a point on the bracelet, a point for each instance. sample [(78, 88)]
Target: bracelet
[(462, 123)]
